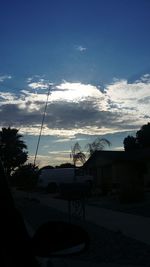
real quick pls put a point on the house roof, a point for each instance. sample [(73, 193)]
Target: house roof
[(105, 157)]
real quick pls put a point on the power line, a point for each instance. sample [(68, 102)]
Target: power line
[(41, 128)]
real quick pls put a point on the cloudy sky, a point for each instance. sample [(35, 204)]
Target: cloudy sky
[(94, 55)]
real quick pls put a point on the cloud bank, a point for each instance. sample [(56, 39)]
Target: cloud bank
[(77, 108)]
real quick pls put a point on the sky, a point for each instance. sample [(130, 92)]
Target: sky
[(93, 55)]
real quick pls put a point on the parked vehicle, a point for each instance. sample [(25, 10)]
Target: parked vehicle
[(62, 175)]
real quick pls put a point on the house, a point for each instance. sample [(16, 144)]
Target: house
[(120, 171), (101, 166)]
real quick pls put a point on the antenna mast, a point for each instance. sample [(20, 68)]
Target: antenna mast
[(41, 128)]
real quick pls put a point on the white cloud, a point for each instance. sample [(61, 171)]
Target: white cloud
[(129, 99), (32, 100), (81, 48), (64, 152), (62, 140), (6, 96), (38, 85), (35, 78), (79, 92), (29, 79), (70, 133), (5, 77), (145, 78), (26, 100)]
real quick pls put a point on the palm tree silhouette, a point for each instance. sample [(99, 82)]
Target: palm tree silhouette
[(77, 155), (12, 149), (98, 144)]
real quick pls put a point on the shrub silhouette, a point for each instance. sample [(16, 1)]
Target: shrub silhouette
[(26, 177)]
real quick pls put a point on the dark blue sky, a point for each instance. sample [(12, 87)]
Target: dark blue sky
[(39, 37), (85, 41)]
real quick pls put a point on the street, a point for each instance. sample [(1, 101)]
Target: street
[(106, 246)]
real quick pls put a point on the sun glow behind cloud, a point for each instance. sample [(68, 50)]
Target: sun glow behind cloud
[(77, 92)]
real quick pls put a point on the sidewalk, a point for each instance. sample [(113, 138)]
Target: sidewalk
[(133, 226)]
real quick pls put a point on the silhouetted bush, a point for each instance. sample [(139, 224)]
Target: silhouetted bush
[(25, 177), (65, 165)]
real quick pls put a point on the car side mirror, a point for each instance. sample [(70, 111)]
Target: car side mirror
[(56, 238)]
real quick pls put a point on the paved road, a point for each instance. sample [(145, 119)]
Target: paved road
[(134, 226), (106, 246)]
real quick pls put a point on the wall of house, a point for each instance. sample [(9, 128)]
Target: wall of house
[(102, 174), (131, 182), (103, 178), (117, 171)]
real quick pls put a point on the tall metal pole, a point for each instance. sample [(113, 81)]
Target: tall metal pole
[(41, 128)]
